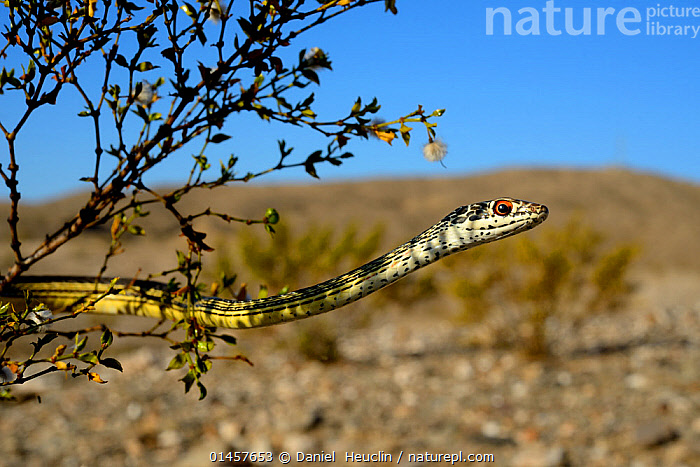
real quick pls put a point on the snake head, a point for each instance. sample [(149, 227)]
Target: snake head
[(498, 218)]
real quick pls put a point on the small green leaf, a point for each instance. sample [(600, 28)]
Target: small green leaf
[(169, 54), (141, 112), (205, 345), (202, 390), (31, 71), (219, 138), (81, 344), (84, 113), (405, 133), (128, 6), (230, 340), (136, 230), (308, 101), (189, 380), (228, 281), (185, 346), (43, 340), (112, 363), (310, 75), (311, 170), (88, 358), (202, 162), (138, 87), (246, 27), (145, 66), (106, 338), (203, 364), (231, 161), (356, 108), (315, 156), (272, 216), (121, 61), (189, 10), (373, 106), (177, 362), (181, 259), (282, 102)]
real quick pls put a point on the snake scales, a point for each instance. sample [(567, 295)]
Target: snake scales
[(463, 228)]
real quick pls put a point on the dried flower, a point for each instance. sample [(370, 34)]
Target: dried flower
[(39, 315), (147, 96), (435, 151), (316, 58), (6, 375), (216, 9)]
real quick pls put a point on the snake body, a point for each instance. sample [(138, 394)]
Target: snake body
[(464, 228)]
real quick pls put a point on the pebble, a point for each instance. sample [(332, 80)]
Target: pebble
[(314, 419), (636, 381), (538, 455), (564, 378), (655, 433), (519, 390), (169, 439), (491, 429), (296, 442), (229, 431), (134, 411), (464, 371), (485, 363), (497, 401)]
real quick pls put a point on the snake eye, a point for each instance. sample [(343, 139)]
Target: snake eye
[(503, 207)]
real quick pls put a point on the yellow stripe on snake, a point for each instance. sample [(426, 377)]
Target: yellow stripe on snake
[(464, 228)]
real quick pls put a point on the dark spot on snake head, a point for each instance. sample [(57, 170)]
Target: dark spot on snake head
[(456, 216), (477, 214)]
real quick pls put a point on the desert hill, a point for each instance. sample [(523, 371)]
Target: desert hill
[(659, 214)]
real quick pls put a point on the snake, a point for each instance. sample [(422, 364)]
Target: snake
[(465, 227)]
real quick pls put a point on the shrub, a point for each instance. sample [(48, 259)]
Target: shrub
[(316, 340), (291, 261), (563, 272)]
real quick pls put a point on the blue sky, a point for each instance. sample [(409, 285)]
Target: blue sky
[(512, 100)]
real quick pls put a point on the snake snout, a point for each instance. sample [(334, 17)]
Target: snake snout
[(541, 210), (538, 211)]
